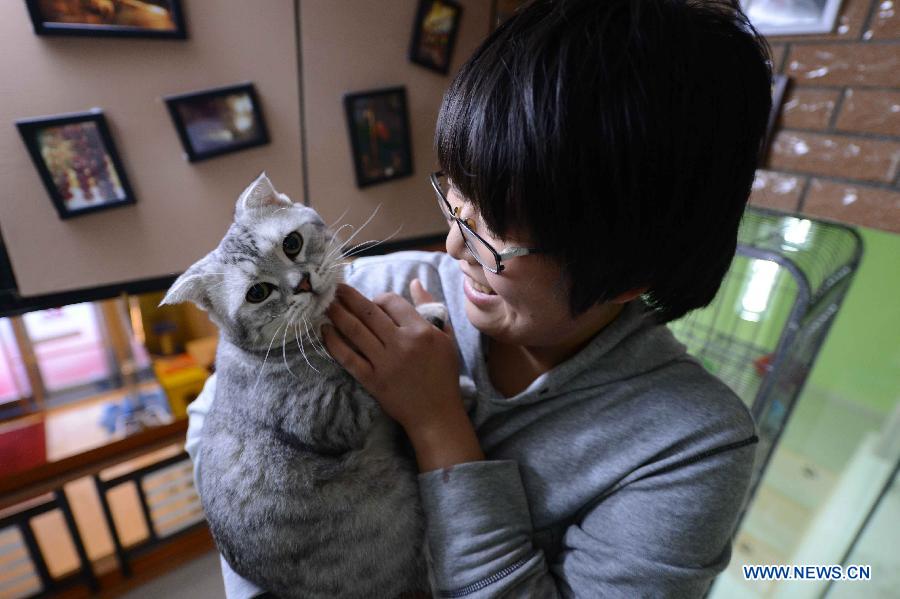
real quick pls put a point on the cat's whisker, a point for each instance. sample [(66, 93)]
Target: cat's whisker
[(339, 260), (368, 245), (340, 218), (338, 265), (334, 240), (359, 249), (309, 336), (302, 351), (361, 265), (319, 342), (363, 226), (284, 350), (313, 339), (262, 368)]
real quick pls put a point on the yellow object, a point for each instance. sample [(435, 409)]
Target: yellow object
[(203, 350), (182, 381)]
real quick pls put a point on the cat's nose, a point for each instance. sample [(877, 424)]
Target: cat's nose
[(304, 286)]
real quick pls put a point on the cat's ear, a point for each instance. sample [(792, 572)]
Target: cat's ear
[(260, 194), (192, 285)]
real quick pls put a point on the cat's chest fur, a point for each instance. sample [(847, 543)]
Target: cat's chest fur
[(301, 465), (303, 400)]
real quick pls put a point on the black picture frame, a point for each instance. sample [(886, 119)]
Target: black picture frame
[(434, 34), (105, 25), (378, 123), (78, 162), (205, 119)]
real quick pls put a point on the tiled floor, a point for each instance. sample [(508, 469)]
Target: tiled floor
[(198, 579), (814, 498)]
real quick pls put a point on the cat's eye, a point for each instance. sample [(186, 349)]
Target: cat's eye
[(259, 292), (292, 245)]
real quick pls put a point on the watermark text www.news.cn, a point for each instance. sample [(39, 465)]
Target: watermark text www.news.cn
[(807, 572)]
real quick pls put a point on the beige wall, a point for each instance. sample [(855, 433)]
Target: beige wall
[(183, 209), (353, 45)]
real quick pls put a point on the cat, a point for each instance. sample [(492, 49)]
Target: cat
[(306, 488)]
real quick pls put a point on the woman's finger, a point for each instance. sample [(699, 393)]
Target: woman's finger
[(419, 294), (358, 367), (367, 312), (398, 309), (355, 330)]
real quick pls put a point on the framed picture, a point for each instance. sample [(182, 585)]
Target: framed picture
[(434, 34), (502, 10), (789, 17), (77, 161), (218, 121), (108, 18), (379, 135)]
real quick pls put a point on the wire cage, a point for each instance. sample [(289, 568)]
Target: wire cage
[(763, 330)]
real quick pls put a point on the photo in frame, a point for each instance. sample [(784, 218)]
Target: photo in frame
[(108, 18), (378, 123), (790, 17), (77, 161), (434, 34), (218, 121)]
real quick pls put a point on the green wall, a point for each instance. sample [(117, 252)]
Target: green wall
[(860, 360)]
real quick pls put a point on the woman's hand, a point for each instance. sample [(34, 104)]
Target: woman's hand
[(409, 366)]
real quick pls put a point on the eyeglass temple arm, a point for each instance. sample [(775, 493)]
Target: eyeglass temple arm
[(514, 251)]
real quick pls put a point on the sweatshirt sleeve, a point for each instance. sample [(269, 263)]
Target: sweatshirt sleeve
[(666, 534)]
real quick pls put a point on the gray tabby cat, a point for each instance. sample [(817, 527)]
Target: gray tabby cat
[(305, 488)]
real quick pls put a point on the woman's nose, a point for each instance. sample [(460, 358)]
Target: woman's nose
[(456, 246)]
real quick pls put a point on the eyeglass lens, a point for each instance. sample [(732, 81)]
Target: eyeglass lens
[(475, 245)]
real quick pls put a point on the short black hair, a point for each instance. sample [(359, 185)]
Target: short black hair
[(621, 135)]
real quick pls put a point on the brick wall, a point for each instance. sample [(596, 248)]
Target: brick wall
[(836, 150)]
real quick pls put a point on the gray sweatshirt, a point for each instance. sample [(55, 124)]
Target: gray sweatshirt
[(619, 473)]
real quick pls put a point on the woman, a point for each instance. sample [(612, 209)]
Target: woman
[(597, 158)]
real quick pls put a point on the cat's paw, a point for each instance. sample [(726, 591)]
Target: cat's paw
[(434, 312)]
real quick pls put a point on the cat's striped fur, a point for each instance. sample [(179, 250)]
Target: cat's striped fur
[(306, 488)]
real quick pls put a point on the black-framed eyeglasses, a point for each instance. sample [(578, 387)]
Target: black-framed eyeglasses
[(483, 251)]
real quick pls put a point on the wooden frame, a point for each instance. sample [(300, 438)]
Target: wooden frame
[(434, 34), (126, 18), (378, 123), (206, 119), (77, 161)]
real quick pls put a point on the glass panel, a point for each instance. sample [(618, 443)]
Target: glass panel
[(14, 383), (841, 445), (69, 346)]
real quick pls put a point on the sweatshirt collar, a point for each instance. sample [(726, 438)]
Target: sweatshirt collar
[(630, 344)]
